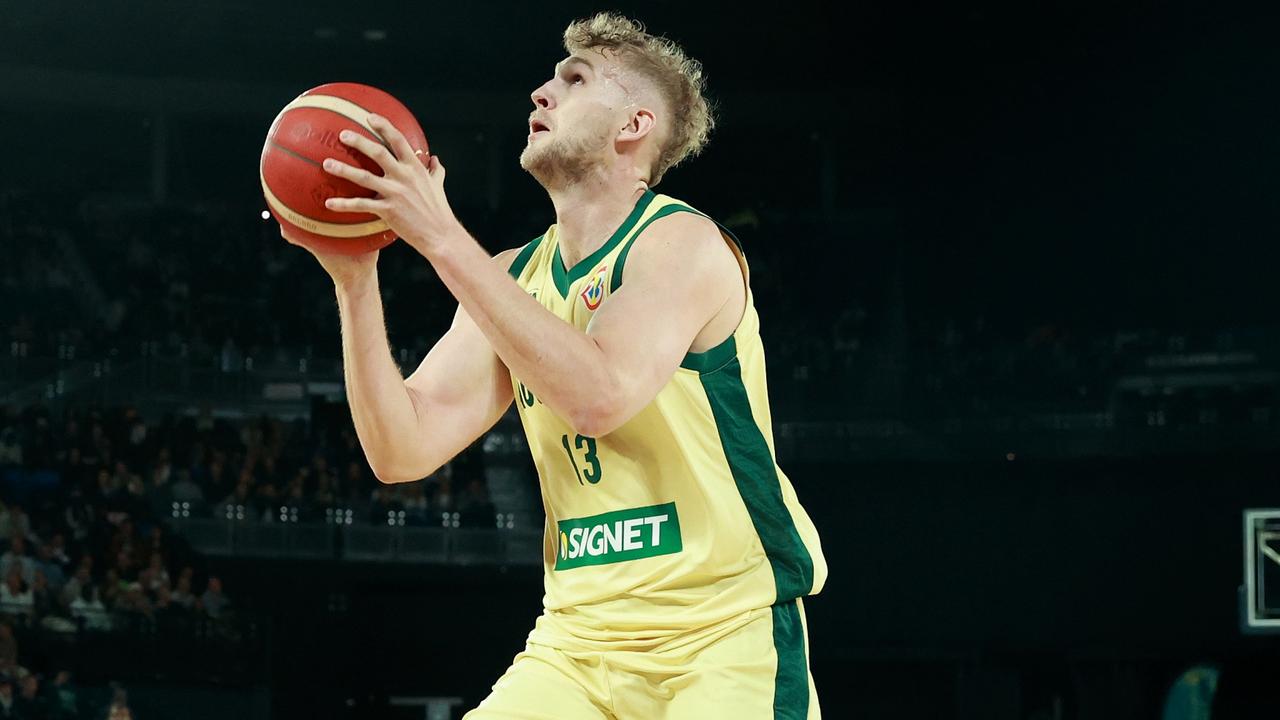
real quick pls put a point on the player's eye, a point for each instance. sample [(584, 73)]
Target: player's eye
[(576, 78)]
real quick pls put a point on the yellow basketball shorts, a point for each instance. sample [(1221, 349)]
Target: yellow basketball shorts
[(756, 671)]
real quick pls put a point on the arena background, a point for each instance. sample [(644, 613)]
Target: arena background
[(1015, 265)]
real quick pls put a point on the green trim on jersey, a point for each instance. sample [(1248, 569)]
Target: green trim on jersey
[(756, 475), (564, 278), (522, 259), (791, 679), (672, 209), (712, 359)]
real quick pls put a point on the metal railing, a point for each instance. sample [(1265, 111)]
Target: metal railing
[(236, 532)]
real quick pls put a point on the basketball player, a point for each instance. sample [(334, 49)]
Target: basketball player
[(676, 553)]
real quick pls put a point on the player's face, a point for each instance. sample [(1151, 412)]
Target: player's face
[(576, 117)]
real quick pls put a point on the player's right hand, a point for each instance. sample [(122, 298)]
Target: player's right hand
[(345, 270)]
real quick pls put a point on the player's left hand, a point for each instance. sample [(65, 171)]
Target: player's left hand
[(411, 196)]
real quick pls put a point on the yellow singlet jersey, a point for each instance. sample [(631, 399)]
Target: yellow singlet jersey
[(681, 518)]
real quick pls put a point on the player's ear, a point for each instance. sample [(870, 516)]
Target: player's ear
[(640, 124)]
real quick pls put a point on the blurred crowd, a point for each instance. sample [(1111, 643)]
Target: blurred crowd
[(115, 478), (85, 552), (849, 340)]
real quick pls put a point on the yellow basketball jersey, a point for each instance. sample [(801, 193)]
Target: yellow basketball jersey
[(680, 518)]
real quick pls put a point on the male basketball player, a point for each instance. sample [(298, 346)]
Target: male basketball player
[(676, 554)]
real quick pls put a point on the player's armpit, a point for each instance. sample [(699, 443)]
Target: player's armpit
[(681, 278), (459, 391)]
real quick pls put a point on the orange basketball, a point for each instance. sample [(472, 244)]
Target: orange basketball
[(302, 136)]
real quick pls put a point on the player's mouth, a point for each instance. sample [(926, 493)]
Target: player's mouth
[(537, 127)]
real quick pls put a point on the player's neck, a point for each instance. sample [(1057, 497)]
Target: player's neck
[(588, 212)]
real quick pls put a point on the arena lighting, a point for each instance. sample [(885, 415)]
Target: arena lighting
[(266, 214), (374, 35)]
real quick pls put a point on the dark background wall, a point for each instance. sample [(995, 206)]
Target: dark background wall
[(959, 590), (1045, 180)]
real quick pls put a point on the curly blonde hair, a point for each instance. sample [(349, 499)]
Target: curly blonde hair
[(677, 76)]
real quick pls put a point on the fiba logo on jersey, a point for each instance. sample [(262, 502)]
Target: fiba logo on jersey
[(593, 294)]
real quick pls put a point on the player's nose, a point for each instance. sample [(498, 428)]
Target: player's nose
[(541, 98)]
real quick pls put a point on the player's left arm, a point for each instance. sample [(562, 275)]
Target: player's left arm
[(680, 275)]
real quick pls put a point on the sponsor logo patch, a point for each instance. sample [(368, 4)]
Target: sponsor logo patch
[(618, 536)]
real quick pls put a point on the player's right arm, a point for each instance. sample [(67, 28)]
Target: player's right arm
[(410, 427)]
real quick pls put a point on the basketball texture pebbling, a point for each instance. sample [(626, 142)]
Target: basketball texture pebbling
[(296, 185)]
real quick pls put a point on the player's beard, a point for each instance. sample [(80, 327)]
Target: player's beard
[(563, 161)]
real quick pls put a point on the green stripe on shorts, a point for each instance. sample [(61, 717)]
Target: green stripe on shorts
[(791, 681)]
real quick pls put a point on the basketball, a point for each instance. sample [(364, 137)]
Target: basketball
[(294, 182)]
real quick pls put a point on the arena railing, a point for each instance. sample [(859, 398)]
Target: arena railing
[(236, 531)]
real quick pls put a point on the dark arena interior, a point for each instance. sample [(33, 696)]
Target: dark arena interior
[(1015, 268)]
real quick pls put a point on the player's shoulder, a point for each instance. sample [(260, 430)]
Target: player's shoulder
[(508, 256), (682, 232), (686, 242), (688, 226), (515, 259)]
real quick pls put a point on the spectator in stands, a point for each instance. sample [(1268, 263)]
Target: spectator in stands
[(215, 482), (161, 471), (63, 701), (324, 496), (133, 601), (17, 557), (442, 501), (109, 591), (15, 594), (10, 447), (182, 595), (7, 709), (122, 537), (119, 708), (79, 516), (14, 521), (43, 598), (134, 500), (214, 602), (416, 507), (355, 476), (186, 489), (157, 574), (107, 492), (266, 501), (154, 544), (89, 610), (381, 502), (165, 609), (8, 646), (51, 569), (58, 551), (296, 497), (268, 472), (240, 496), (82, 579), (30, 704), (125, 568)]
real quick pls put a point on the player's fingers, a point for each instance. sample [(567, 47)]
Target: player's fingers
[(436, 167), (375, 150), (395, 139), (361, 205), (359, 176)]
